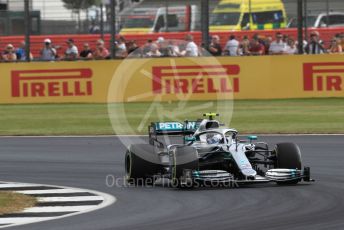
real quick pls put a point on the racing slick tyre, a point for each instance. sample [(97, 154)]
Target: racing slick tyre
[(183, 160), (141, 164), (288, 156)]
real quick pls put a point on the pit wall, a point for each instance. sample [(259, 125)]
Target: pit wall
[(165, 79)]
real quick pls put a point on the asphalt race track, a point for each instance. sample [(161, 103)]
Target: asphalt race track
[(85, 162)]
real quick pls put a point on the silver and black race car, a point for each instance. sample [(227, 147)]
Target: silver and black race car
[(211, 153)]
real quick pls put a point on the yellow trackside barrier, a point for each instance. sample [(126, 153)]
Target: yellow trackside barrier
[(166, 79)]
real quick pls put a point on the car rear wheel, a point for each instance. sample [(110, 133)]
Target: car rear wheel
[(139, 169)]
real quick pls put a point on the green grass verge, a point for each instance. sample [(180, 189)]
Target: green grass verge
[(11, 202), (249, 116)]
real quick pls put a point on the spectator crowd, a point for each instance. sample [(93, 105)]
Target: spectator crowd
[(257, 45)]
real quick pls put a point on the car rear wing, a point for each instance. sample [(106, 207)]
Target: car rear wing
[(156, 129), (173, 127)]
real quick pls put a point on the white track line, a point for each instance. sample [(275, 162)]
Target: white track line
[(16, 221), (22, 220), (59, 209), (66, 199), (50, 191), (16, 185)]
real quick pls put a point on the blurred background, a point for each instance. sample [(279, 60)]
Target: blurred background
[(85, 16), (140, 21)]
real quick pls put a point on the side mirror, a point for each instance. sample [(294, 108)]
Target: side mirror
[(252, 138), (189, 138)]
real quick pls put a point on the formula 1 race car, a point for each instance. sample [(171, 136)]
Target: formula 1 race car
[(211, 153)]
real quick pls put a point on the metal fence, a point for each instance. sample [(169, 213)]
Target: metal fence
[(151, 16), (53, 17)]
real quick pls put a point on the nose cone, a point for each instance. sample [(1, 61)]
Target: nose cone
[(249, 173)]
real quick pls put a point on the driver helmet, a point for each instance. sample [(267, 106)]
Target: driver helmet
[(213, 139)]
